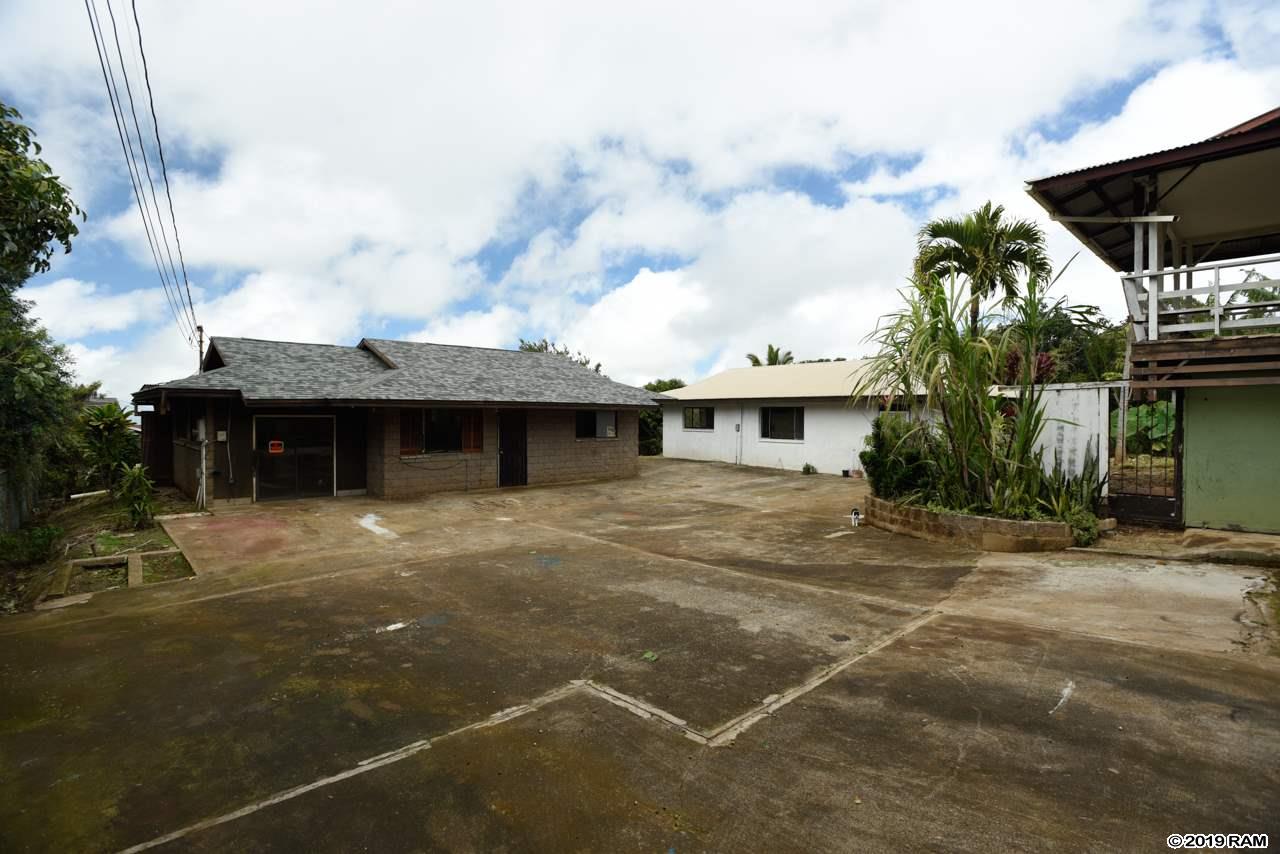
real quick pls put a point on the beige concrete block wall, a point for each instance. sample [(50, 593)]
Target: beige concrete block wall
[(978, 532), (393, 476), (557, 456)]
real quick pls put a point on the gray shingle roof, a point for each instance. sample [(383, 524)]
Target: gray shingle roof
[(280, 370)]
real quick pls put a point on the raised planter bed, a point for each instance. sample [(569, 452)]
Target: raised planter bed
[(124, 569), (976, 532)]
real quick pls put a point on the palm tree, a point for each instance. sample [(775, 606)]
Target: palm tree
[(988, 250), (773, 356)]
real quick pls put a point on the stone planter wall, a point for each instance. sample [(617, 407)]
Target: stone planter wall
[(977, 532)]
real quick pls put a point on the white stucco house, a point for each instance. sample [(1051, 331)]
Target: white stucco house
[(779, 416)]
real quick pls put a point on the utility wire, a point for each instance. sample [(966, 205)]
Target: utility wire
[(164, 169), (130, 163), (126, 146), (146, 163)]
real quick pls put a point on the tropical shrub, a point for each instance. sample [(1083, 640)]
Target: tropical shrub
[(982, 453), (1084, 525), (651, 419), (977, 452), (1148, 427), (110, 444), (134, 495), (30, 545), (895, 458), (809, 468)]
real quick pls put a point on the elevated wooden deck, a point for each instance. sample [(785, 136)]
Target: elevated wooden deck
[(1191, 362)]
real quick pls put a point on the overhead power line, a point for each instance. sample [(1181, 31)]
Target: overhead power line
[(146, 165), (135, 176), (164, 169)]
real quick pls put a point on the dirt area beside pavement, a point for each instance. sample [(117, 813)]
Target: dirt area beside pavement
[(701, 658), (88, 527)]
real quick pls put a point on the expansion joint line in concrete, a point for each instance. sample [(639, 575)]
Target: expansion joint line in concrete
[(361, 767), (717, 737), (728, 570)]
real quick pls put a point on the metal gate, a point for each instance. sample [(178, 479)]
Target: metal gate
[(1145, 483)]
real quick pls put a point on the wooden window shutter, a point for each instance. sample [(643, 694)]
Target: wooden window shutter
[(473, 432), (411, 431)]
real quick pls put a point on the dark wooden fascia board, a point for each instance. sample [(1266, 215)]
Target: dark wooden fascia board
[(1223, 382), (1149, 370), (1210, 149), (258, 403)]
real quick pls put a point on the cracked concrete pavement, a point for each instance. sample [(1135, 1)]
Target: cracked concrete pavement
[(702, 658)]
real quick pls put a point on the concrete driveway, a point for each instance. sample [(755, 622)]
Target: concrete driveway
[(703, 658)]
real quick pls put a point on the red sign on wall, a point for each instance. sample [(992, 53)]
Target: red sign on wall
[(275, 446)]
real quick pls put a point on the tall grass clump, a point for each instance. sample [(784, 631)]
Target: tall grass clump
[(953, 440)]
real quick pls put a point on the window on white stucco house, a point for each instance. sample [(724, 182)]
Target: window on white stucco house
[(782, 422)]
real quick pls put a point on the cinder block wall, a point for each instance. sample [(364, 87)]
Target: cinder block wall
[(393, 476), (556, 456)]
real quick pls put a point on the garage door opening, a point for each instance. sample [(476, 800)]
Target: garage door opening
[(293, 456)]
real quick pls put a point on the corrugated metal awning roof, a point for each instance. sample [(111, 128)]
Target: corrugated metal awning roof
[(1267, 120), (1187, 180)]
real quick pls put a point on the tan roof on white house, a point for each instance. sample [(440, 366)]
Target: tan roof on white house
[(815, 379)]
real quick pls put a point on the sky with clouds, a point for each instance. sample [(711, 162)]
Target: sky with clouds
[(665, 186)]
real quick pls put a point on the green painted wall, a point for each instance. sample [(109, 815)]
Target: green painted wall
[(1231, 458)]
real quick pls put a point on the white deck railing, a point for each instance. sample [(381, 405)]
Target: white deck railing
[(1201, 298)]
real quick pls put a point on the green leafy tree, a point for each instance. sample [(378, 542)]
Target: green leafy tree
[(65, 469), (37, 406), (651, 419), (1079, 344), (545, 345), (36, 210), (991, 253), (773, 356)]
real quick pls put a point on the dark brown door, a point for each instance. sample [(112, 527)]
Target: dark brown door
[(513, 444)]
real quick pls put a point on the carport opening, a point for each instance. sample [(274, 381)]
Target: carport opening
[(294, 456)]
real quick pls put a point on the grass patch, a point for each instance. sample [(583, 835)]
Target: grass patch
[(165, 568), (150, 539), (92, 579)]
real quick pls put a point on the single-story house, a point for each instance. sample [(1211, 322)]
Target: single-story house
[(777, 416), (273, 419)]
